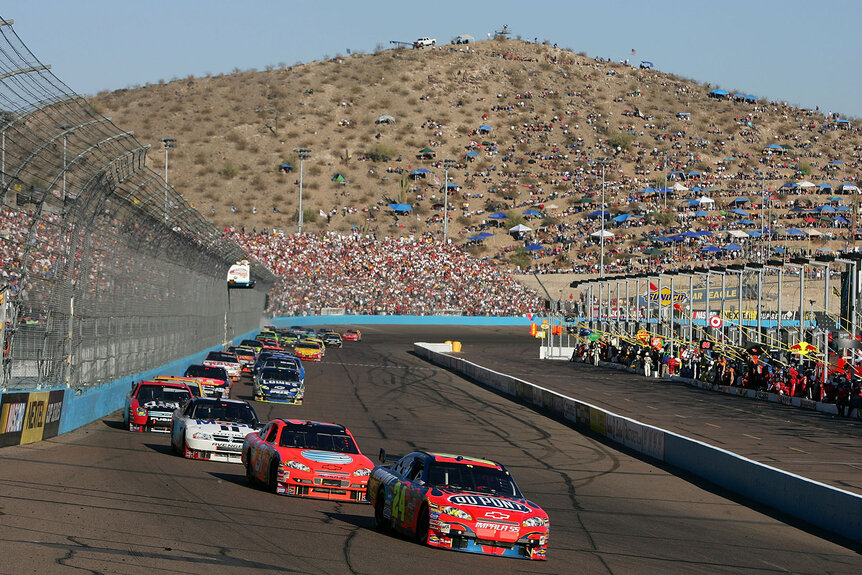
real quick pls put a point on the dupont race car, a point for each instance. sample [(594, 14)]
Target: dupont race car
[(457, 503), (150, 405), (307, 458), (212, 429), (279, 385), (352, 335)]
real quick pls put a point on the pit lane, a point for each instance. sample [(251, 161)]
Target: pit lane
[(102, 499)]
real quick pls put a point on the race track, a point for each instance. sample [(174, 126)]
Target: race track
[(104, 500)]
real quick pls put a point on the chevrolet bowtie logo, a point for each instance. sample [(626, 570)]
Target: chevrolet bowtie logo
[(496, 515)]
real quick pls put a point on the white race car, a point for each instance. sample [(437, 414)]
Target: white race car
[(212, 428)]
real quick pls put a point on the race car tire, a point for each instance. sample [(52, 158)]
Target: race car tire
[(380, 521), (422, 526), (272, 484), (249, 474)]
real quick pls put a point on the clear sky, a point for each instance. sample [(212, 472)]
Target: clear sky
[(805, 53)]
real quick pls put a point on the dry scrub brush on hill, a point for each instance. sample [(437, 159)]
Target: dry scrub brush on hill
[(234, 131)]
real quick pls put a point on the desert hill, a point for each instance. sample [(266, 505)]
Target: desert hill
[(552, 114)]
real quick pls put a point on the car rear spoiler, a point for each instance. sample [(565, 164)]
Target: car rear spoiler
[(383, 457)]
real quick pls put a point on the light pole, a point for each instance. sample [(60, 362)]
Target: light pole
[(169, 143), (65, 128), (604, 162), (446, 165), (304, 154)]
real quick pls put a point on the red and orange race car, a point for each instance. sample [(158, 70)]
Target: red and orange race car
[(457, 503), (150, 405), (307, 458), (352, 335)]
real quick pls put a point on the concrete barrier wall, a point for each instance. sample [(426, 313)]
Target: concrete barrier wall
[(826, 507)]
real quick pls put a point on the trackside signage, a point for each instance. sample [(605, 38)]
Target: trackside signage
[(30, 417)]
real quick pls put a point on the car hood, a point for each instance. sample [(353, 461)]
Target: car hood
[(209, 426), (329, 460), (485, 504), (161, 405)]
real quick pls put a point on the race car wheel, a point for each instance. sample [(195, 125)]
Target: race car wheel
[(249, 474), (273, 477), (380, 521), (422, 526)]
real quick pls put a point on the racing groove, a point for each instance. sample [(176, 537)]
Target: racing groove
[(104, 500)]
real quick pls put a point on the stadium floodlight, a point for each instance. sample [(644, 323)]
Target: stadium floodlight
[(169, 143), (304, 154)]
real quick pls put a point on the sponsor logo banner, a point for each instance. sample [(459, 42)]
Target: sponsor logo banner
[(30, 417), (484, 501)]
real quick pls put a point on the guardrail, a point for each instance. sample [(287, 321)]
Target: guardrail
[(824, 506)]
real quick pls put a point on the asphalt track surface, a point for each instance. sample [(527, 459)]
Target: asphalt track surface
[(104, 500)]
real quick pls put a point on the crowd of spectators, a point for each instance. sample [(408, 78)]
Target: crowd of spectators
[(359, 274), (760, 369), (543, 157)]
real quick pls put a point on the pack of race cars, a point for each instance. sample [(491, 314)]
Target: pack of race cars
[(448, 501)]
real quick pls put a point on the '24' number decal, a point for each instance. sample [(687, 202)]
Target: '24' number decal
[(399, 502)]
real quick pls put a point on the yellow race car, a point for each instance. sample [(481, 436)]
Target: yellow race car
[(309, 350)]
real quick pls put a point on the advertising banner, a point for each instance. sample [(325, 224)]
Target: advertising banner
[(30, 417)]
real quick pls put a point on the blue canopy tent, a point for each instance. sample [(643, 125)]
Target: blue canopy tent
[(400, 207), (472, 154), (745, 222), (825, 209), (621, 218), (703, 233), (711, 249), (841, 220), (692, 203), (754, 234), (695, 188), (701, 214), (420, 171), (693, 174), (485, 129), (834, 198), (533, 248), (774, 147), (740, 201), (690, 234), (732, 247), (476, 238), (598, 214), (843, 209), (453, 186), (779, 250), (788, 186), (794, 232), (663, 239), (825, 186), (497, 216), (739, 212), (719, 94), (677, 238), (285, 167), (532, 212), (750, 98)]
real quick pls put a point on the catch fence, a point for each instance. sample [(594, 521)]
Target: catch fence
[(105, 271)]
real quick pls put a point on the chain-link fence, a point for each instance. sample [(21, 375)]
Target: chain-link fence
[(105, 271)]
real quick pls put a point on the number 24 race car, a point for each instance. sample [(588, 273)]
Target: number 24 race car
[(457, 503)]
